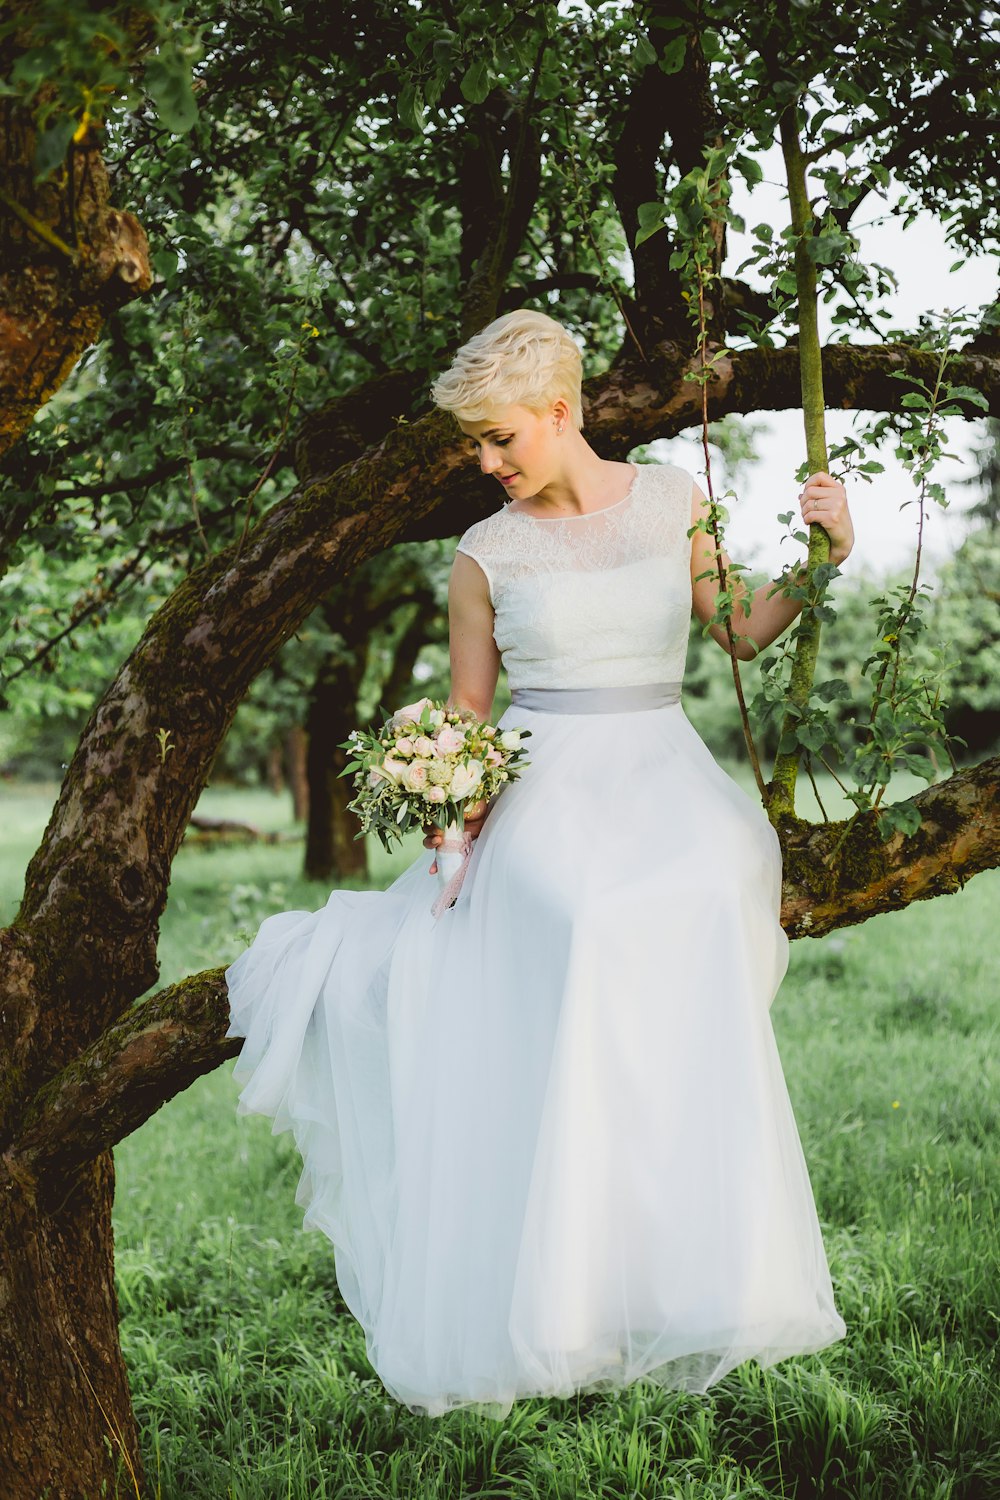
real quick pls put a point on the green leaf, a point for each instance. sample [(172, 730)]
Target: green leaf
[(475, 84), (749, 168), (968, 393), (901, 816), (651, 218), (411, 107), (51, 146), (645, 53), (167, 80), (673, 56)]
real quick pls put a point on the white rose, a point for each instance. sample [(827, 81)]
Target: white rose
[(404, 746), (464, 779), (393, 768), (511, 739), (415, 776), (422, 745), (435, 794)]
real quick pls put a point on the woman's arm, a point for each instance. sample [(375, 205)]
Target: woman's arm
[(763, 619), (475, 659)]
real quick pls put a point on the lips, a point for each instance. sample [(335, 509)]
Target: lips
[(508, 478)]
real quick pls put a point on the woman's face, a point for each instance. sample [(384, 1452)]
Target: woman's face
[(519, 447)]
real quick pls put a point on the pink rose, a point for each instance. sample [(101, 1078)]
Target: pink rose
[(449, 739), (404, 746), (409, 714)]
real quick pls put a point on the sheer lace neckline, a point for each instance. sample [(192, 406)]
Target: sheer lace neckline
[(584, 515)]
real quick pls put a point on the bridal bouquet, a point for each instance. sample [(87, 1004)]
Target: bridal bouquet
[(431, 764)]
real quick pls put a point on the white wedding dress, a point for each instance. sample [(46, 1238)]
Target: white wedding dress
[(548, 1132)]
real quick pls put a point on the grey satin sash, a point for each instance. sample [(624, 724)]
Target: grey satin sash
[(622, 698)]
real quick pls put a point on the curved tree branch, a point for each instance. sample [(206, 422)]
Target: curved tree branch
[(164, 1043), (96, 887)]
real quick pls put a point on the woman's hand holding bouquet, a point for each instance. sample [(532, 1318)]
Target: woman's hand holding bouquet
[(437, 767)]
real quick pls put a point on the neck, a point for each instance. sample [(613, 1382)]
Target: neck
[(584, 483)]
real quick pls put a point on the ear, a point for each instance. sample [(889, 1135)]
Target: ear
[(561, 414)]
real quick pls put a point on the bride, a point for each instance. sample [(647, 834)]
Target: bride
[(547, 1132)]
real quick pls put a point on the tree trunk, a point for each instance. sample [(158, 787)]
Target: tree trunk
[(296, 747), (332, 852), (66, 1425), (275, 768)]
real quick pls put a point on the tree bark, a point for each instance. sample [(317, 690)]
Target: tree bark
[(332, 851), (62, 270), (295, 770), (66, 1423)]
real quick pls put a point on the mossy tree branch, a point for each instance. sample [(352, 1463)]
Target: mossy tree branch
[(83, 945), (163, 1044)]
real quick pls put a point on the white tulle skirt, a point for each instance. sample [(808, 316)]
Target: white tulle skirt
[(548, 1132)]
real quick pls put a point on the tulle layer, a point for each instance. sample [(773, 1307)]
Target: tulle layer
[(548, 1132)]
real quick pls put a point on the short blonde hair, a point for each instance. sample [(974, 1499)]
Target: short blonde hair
[(524, 358)]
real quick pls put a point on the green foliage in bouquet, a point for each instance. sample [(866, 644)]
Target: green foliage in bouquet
[(425, 765)]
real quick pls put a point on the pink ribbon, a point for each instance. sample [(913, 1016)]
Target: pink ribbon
[(449, 895)]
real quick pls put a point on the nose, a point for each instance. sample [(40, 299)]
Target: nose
[(489, 459)]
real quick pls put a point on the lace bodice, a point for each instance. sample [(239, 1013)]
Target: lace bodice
[(593, 600)]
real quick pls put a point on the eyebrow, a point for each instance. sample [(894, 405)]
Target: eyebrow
[(491, 432)]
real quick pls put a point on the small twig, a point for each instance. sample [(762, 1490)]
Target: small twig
[(713, 524), (812, 780)]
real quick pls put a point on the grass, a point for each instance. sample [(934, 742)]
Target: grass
[(250, 1377)]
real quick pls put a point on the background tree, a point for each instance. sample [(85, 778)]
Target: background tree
[(332, 198)]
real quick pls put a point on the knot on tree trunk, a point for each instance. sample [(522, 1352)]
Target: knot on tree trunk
[(118, 268)]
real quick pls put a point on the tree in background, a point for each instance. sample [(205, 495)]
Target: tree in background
[(283, 222)]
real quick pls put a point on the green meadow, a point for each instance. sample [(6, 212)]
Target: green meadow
[(250, 1377)]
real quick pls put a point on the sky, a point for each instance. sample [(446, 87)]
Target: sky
[(885, 525)]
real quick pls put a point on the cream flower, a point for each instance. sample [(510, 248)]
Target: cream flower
[(466, 778), (415, 776)]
